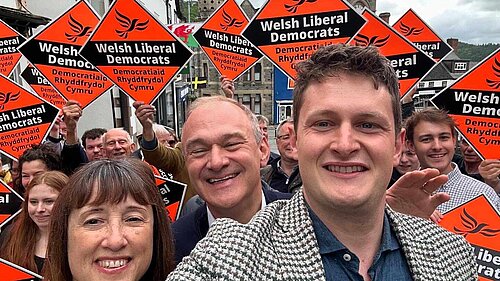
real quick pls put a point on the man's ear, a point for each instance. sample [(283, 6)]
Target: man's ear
[(132, 147), (293, 137), (398, 147), (265, 152), (293, 142)]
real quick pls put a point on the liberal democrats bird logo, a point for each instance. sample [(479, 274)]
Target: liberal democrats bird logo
[(365, 41), (472, 227), (129, 25), (78, 30), (293, 7), (5, 98), (407, 31), (229, 21), (496, 71)]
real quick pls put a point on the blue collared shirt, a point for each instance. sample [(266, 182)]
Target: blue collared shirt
[(341, 264)]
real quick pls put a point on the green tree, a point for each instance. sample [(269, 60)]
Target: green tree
[(475, 52), (194, 15)]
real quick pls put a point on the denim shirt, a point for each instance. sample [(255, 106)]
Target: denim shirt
[(341, 264)]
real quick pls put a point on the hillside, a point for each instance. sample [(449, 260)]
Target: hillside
[(475, 52)]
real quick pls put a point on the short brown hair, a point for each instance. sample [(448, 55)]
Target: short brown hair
[(431, 115), (113, 181), (332, 60)]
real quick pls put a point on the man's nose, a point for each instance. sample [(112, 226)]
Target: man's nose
[(344, 142), (217, 159), (436, 143)]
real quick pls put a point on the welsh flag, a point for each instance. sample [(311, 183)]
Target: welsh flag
[(185, 31)]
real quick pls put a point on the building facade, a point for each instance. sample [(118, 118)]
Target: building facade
[(254, 88), (442, 75)]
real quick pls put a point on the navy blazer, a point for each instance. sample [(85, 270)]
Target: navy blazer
[(191, 228)]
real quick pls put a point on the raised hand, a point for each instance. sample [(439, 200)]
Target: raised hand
[(227, 86), (413, 193), (145, 113)]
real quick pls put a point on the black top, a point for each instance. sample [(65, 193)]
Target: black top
[(39, 261)]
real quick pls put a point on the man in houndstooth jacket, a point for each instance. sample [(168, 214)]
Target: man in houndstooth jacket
[(347, 120)]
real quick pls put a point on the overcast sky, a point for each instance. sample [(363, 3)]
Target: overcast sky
[(471, 21)]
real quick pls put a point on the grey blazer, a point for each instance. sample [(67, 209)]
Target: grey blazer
[(279, 244)]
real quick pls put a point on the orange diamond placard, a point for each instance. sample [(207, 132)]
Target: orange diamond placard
[(421, 34), (25, 119), (13, 272), (42, 87), (54, 52), (408, 61), (136, 51), (473, 101), (289, 31), (10, 204), (479, 223), (10, 39), (220, 38)]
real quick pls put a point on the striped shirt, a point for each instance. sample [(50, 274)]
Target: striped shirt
[(463, 188)]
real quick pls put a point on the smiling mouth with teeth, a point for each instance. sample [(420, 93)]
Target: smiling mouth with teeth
[(345, 169), (222, 179), (437, 155), (112, 263)]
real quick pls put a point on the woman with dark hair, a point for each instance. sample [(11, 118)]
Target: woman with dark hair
[(35, 160), (111, 225), (26, 240)]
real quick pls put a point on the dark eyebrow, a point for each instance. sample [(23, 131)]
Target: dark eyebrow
[(425, 136), (97, 209), (373, 114), (91, 210), (376, 114), (137, 208)]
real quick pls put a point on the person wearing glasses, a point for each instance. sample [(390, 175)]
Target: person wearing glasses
[(172, 137), (165, 136), (282, 173)]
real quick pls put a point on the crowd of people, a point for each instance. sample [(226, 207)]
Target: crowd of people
[(355, 192)]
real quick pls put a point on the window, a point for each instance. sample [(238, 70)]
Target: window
[(257, 104), (445, 83), (117, 101), (257, 69), (169, 12), (248, 75), (431, 84), (205, 70), (460, 66), (247, 101), (421, 85)]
